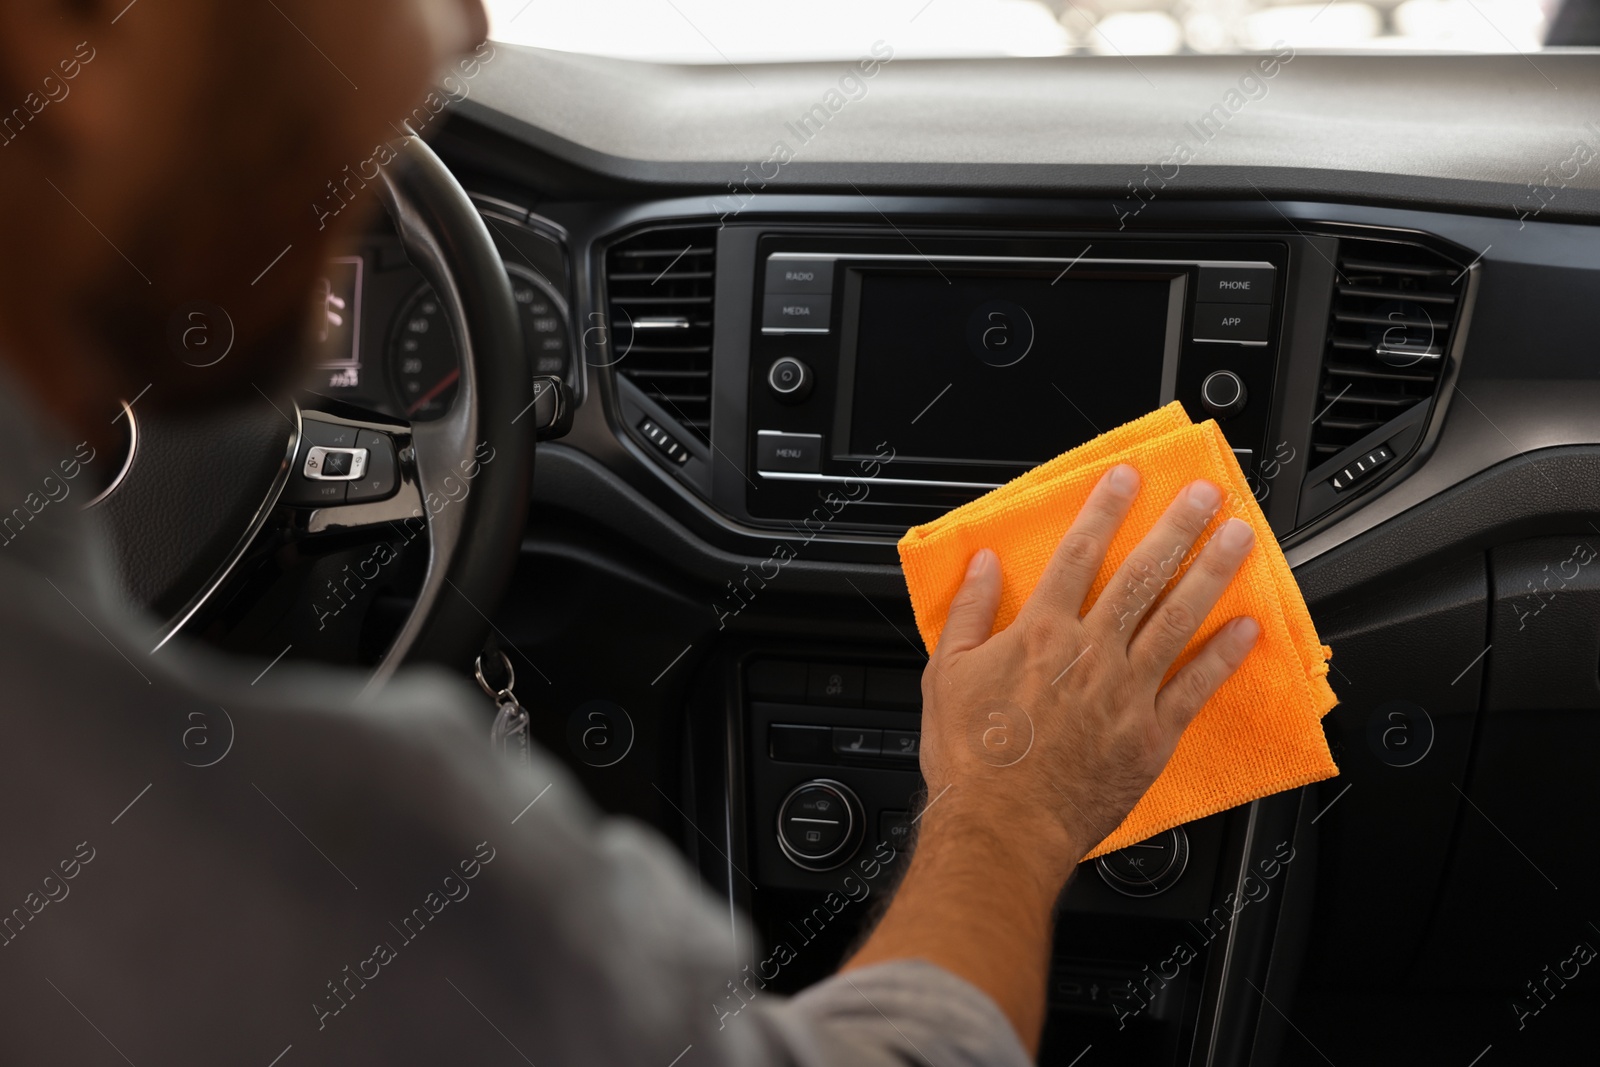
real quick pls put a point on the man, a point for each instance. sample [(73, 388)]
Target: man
[(353, 882)]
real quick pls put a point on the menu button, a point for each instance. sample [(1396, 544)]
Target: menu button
[(788, 452)]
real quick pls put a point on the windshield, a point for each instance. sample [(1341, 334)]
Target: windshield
[(751, 31)]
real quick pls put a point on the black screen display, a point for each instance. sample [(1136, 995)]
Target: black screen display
[(1002, 368)]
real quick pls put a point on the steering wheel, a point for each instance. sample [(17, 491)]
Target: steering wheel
[(205, 537)]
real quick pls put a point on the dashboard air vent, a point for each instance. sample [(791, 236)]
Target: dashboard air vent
[(659, 285), (1394, 312)]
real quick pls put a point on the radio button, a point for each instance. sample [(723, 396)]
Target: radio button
[(1240, 323), (793, 453), (1237, 285), (802, 313), (786, 275)]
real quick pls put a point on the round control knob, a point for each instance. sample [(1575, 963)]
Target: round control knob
[(789, 380), (1149, 867), (820, 824), (1223, 393)]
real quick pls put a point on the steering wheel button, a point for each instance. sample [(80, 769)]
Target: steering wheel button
[(305, 493), (381, 479), (334, 464), (326, 434)]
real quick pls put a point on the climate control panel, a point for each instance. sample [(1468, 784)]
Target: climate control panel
[(820, 824)]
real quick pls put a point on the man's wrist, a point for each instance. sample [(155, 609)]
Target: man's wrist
[(1032, 847)]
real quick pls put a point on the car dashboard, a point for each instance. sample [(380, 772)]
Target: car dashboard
[(1376, 273)]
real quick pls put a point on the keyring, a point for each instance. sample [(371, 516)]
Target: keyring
[(500, 695)]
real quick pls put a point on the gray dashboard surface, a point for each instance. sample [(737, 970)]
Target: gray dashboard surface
[(1452, 131)]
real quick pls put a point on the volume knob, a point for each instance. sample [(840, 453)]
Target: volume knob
[(790, 380), (1223, 393)]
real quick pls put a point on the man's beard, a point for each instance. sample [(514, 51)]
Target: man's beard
[(238, 360), (199, 345)]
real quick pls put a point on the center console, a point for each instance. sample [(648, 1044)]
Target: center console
[(828, 749)]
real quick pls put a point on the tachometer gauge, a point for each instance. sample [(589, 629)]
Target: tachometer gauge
[(544, 321), (424, 367)]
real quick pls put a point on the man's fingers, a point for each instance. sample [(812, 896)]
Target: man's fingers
[(1181, 699), (1065, 583), (1153, 563), (971, 618), (1176, 617)]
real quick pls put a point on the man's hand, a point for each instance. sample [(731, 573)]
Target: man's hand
[(1037, 741), (1054, 728)]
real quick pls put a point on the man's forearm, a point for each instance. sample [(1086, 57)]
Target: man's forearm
[(978, 910)]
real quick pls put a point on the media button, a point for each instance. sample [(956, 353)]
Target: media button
[(796, 275), (800, 313), (1229, 284), (1244, 324), (795, 453)]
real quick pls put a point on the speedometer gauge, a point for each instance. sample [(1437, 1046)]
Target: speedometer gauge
[(422, 359), (423, 364)]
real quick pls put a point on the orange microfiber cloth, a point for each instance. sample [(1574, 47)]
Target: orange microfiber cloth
[(1262, 731)]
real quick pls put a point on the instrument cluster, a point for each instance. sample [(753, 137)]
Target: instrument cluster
[(384, 339)]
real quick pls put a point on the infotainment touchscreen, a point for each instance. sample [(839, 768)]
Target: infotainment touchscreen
[(956, 365)]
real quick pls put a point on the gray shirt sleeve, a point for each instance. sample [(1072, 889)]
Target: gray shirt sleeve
[(345, 880)]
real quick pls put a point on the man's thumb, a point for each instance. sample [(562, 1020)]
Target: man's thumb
[(972, 612)]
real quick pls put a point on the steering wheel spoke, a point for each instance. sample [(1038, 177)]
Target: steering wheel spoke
[(353, 469)]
